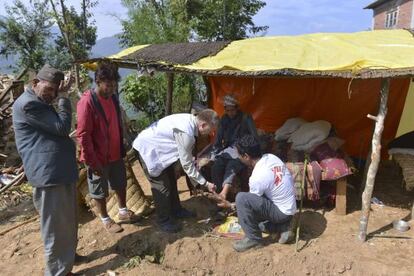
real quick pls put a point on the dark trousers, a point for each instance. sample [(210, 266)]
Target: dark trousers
[(253, 209), (57, 208), (224, 170), (164, 192)]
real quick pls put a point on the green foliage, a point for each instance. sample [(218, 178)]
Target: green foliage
[(147, 94), (159, 21), (82, 39), (224, 19), (154, 21), (141, 123), (25, 32), (77, 34), (58, 58)]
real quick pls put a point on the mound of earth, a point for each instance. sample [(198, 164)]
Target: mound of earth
[(328, 243)]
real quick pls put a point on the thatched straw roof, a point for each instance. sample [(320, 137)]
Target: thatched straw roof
[(177, 53)]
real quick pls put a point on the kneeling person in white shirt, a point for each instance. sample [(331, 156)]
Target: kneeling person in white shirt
[(270, 203)]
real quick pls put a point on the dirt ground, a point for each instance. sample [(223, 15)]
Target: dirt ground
[(328, 243)]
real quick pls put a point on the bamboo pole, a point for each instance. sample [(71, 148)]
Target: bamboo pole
[(16, 181), (412, 213), (208, 88), (302, 194), (170, 88), (375, 159)]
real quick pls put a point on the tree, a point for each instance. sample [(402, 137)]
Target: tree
[(147, 94), (82, 38), (158, 21), (25, 32), (152, 21), (214, 20), (76, 35)]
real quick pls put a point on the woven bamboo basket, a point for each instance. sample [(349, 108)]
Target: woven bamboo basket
[(136, 199), (406, 162)]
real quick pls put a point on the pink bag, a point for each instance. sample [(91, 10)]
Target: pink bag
[(323, 151), (334, 168)]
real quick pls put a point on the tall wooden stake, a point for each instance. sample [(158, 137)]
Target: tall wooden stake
[(375, 159), (302, 194), (170, 88)]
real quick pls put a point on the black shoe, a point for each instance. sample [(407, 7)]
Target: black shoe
[(79, 259)]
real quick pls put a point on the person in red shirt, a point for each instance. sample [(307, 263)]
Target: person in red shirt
[(99, 133)]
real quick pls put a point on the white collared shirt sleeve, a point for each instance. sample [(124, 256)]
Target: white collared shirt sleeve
[(185, 145)]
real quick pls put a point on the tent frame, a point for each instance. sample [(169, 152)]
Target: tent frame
[(384, 74)]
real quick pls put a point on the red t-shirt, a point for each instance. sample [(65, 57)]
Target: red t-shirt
[(114, 135)]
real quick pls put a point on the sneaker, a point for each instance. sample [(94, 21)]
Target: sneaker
[(170, 226), (184, 213), (128, 217), (286, 237), (112, 227), (245, 244)]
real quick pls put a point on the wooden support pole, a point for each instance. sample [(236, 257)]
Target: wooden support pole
[(208, 90), (364, 176), (16, 181), (19, 76), (412, 212), (302, 195), (170, 88), (375, 159), (340, 200)]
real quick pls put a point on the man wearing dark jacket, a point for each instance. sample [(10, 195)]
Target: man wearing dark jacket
[(49, 160), (100, 137), (233, 125)]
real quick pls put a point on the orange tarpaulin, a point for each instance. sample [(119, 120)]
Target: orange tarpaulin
[(343, 102)]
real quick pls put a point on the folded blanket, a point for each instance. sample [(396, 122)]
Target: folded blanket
[(290, 126), (309, 135)]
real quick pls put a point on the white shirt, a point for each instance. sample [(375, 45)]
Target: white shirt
[(272, 179), (168, 140)]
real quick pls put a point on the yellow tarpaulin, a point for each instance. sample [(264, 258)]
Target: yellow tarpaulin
[(383, 49), (380, 49)]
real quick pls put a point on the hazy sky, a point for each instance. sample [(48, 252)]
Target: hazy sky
[(284, 17)]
